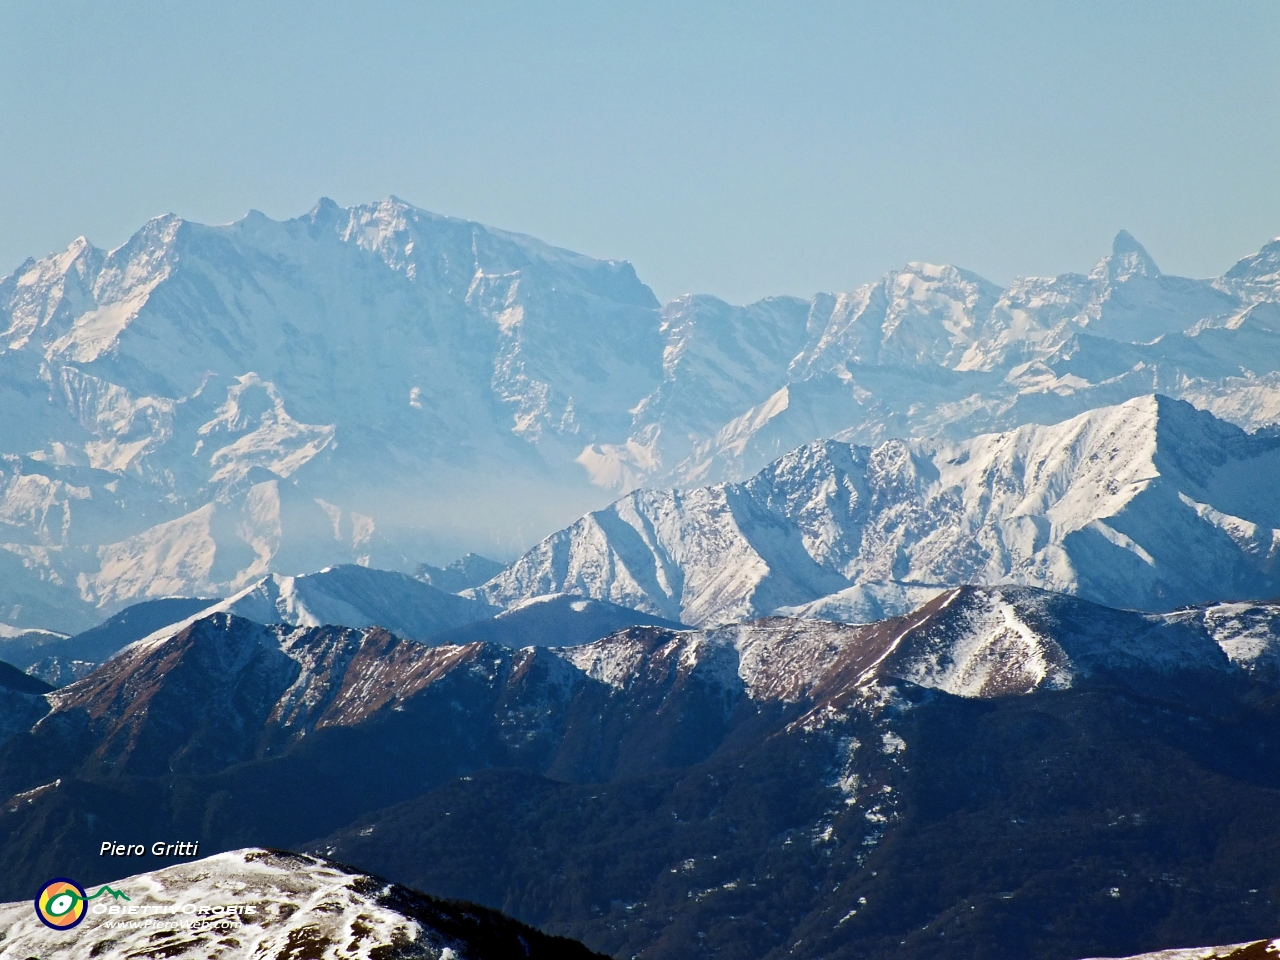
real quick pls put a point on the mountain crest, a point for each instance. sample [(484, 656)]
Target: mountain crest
[(1128, 259), (1262, 267)]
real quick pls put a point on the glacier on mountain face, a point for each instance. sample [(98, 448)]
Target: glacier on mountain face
[(204, 406)]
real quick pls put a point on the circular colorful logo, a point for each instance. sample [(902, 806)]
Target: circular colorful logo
[(61, 903)]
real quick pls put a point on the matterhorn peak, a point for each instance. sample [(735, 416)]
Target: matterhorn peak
[(1128, 259)]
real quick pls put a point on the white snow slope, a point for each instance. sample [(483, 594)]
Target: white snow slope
[(209, 404), (344, 596), (301, 906), (1150, 504), (1256, 950), (353, 596)]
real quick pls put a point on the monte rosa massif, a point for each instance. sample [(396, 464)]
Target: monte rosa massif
[(381, 385)]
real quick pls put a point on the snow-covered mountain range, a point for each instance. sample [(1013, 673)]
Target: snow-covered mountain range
[(206, 405), (1151, 504), (936, 351)]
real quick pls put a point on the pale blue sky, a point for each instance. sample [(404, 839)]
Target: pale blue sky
[(741, 149)]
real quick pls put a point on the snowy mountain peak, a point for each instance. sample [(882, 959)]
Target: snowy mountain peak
[(996, 641), (980, 643), (1261, 268), (354, 596), (467, 571), (1128, 259)]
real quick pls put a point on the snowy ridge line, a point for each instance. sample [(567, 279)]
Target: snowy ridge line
[(1149, 505), (969, 642), (893, 644), (349, 596)]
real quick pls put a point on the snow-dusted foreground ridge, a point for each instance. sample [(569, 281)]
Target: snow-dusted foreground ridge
[(207, 405), (967, 642), (861, 785), (224, 690), (1257, 950), (1150, 504), (283, 906)]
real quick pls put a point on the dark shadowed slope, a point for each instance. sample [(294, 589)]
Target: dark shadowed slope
[(982, 773)]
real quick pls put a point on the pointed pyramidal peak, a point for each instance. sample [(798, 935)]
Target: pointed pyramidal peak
[(1128, 259)]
